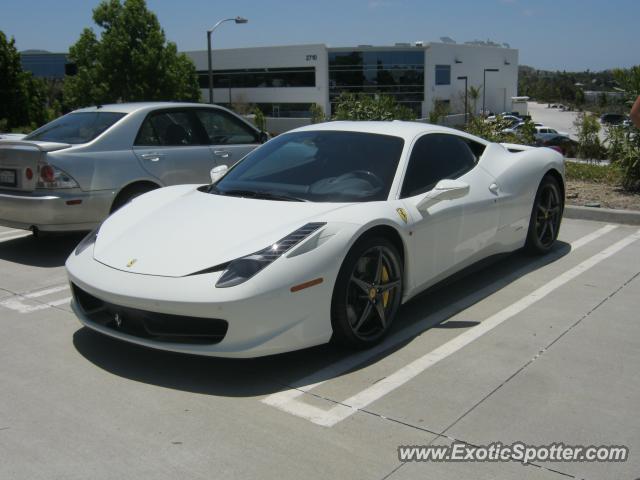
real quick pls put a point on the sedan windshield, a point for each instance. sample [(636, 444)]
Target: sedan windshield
[(318, 166), (74, 128)]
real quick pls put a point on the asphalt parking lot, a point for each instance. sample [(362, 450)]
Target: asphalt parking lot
[(538, 350), (554, 118)]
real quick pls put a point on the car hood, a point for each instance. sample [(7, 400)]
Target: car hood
[(177, 231)]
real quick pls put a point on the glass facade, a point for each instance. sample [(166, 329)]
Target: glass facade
[(279, 109), (443, 74), (260, 78), (47, 65), (398, 73)]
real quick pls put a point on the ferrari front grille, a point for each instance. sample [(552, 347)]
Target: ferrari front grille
[(160, 327)]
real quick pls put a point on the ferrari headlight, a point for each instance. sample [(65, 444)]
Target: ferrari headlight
[(87, 241), (242, 269)]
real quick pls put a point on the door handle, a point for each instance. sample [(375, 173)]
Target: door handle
[(493, 188), (221, 153), (152, 157)]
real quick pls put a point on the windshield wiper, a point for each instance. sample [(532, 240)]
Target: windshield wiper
[(261, 194)]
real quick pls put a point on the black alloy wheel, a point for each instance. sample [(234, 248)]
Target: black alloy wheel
[(367, 293), (546, 216)]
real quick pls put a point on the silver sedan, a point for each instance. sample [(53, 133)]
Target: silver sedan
[(73, 172)]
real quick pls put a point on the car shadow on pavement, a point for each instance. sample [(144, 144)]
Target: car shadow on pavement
[(47, 251), (266, 375)]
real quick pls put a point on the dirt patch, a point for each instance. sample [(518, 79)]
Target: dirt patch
[(598, 194)]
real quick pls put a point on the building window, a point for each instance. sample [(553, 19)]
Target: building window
[(397, 73), (260, 78), (279, 109), (443, 74)]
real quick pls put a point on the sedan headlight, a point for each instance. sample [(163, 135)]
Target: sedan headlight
[(242, 269), (87, 241)]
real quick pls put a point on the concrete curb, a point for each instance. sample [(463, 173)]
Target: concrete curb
[(628, 217)]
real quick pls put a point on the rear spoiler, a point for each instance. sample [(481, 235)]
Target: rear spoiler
[(42, 146), (516, 148)]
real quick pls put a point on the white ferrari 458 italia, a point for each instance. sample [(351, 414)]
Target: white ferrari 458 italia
[(319, 234)]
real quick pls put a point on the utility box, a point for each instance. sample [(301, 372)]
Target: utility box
[(519, 105)]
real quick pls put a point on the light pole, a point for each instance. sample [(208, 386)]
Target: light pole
[(484, 87), (209, 32), (466, 93)]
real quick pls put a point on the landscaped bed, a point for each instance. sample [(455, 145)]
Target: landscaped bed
[(591, 184)]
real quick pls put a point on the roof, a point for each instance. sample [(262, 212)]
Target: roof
[(136, 106), (396, 128)]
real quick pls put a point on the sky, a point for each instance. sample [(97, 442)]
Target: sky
[(571, 35)]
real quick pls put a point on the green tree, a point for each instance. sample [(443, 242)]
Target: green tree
[(131, 61), (317, 113), (259, 120), (528, 132), (629, 80), (474, 96), (588, 129), (360, 106), (439, 111), (22, 97)]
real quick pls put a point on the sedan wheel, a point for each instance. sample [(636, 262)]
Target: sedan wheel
[(367, 293)]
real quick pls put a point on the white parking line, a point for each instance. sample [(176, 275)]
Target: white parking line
[(13, 234), (288, 400), (18, 302), (10, 231), (47, 291)]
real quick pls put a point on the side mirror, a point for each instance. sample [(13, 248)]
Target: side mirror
[(218, 172), (444, 190), (264, 137)]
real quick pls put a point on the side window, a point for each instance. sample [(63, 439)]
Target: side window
[(476, 148), (169, 128), (223, 129), (434, 157)]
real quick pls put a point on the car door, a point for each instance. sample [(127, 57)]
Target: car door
[(452, 233), (172, 146), (230, 137)]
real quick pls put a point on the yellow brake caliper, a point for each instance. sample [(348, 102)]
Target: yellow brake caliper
[(384, 278)]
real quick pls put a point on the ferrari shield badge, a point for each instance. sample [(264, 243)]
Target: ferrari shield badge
[(402, 213), (131, 262)]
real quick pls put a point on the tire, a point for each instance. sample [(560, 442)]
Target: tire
[(367, 293), (546, 216), (129, 193)]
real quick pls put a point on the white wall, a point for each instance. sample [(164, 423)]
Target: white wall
[(500, 86), (269, 57)]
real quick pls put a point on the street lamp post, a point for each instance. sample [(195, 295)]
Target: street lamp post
[(209, 32), (466, 98), (484, 88)]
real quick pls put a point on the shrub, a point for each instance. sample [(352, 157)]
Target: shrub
[(259, 119), (493, 131), (368, 107), (590, 146), (615, 140), (317, 113)]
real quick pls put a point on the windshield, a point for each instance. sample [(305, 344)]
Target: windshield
[(318, 166), (81, 127)]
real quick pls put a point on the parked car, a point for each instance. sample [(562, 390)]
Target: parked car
[(612, 119), (518, 126), (567, 146), (321, 233), (12, 136), (549, 130), (73, 172), (510, 119)]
